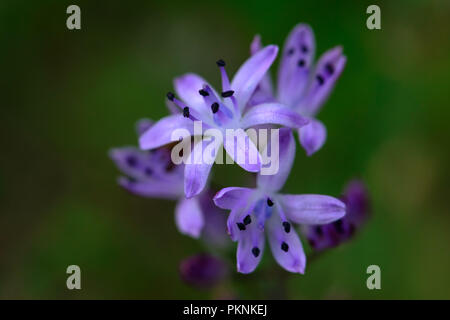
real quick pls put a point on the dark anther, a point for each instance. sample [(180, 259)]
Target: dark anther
[(215, 107), (320, 79), (338, 226), (220, 63), (131, 161), (247, 220), (269, 202), (319, 230), (329, 67), (148, 171), (304, 49), (186, 112), (301, 63), (203, 93), (227, 94), (256, 251), (286, 226), (170, 96), (290, 52), (284, 246), (241, 226)]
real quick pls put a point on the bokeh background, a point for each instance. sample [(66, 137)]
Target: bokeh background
[(69, 96)]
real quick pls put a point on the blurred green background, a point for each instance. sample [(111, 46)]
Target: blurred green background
[(69, 96)]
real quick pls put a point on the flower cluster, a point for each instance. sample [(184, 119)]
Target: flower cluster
[(246, 101)]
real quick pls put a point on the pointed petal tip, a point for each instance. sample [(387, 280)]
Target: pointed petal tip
[(272, 48)]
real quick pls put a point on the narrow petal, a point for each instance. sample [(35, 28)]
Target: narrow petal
[(230, 197), (187, 88), (152, 188), (264, 90), (272, 113), (311, 208), (286, 155), (161, 132), (286, 246), (328, 69), (189, 217), (296, 64), (312, 136), (236, 217), (251, 73), (242, 150), (250, 248), (196, 172)]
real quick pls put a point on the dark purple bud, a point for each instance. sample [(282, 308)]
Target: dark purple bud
[(301, 63), (284, 246), (203, 93), (333, 234), (203, 271), (269, 202), (304, 49), (286, 226), (290, 52), (247, 220)]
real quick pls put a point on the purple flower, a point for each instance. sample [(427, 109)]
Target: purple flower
[(152, 174), (301, 85), (331, 235), (200, 102), (255, 212), (203, 270)]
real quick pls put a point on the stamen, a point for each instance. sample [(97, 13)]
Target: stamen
[(338, 226), (269, 202), (319, 231), (148, 171), (220, 63), (241, 226), (256, 251), (284, 246), (286, 226), (203, 93), (330, 69), (131, 161), (301, 63), (247, 220), (215, 107), (320, 79), (186, 112), (170, 96), (227, 94)]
